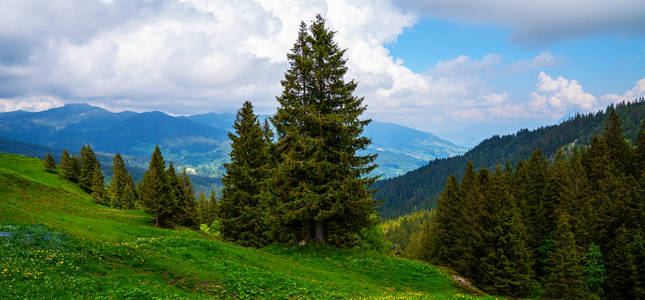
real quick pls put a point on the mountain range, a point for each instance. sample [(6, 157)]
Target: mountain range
[(199, 143)]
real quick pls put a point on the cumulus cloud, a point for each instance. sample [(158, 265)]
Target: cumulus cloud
[(540, 21), (556, 96), (30, 103), (636, 92), (195, 56), (185, 56), (553, 99)]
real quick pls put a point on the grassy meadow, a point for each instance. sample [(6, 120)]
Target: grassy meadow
[(57, 243)]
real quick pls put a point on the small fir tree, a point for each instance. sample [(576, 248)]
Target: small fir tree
[(155, 192), (87, 165), (202, 209), (98, 187), (212, 208), (187, 201), (176, 195), (75, 170), (49, 163), (121, 189), (66, 165)]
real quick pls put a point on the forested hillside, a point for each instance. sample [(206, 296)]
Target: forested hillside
[(570, 228), (419, 189)]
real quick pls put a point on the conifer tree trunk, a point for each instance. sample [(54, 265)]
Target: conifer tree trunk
[(321, 232)]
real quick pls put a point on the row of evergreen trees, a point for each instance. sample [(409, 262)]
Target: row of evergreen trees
[(168, 195), (307, 182), (573, 226)]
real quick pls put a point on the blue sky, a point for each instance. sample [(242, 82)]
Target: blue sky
[(601, 63), (461, 69)]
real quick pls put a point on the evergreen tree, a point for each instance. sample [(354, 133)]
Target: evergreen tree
[(505, 266), (443, 239), (202, 209), (212, 208), (66, 165), (98, 187), (121, 189), (49, 163), (240, 210), (622, 275), (87, 166), (638, 252), (639, 153), (176, 196), (614, 137), (595, 270), (154, 190), (566, 272), (468, 233), (322, 182), (537, 228), (537, 168), (75, 169), (187, 201)]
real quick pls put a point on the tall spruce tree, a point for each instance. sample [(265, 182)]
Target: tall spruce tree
[(154, 190), (323, 182), (241, 210), (537, 169), (469, 238), (443, 239), (88, 163), (98, 187)]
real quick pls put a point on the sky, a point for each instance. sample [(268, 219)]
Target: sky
[(461, 69)]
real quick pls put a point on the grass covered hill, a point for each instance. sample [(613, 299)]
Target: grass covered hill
[(56, 243), (420, 189)]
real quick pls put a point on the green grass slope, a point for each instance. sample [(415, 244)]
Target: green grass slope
[(54, 242)]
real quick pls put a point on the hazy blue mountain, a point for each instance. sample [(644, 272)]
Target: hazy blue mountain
[(402, 149), (197, 142)]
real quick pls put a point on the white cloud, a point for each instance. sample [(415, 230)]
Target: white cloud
[(559, 96), (540, 21), (636, 92), (195, 56), (465, 66), (30, 103)]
